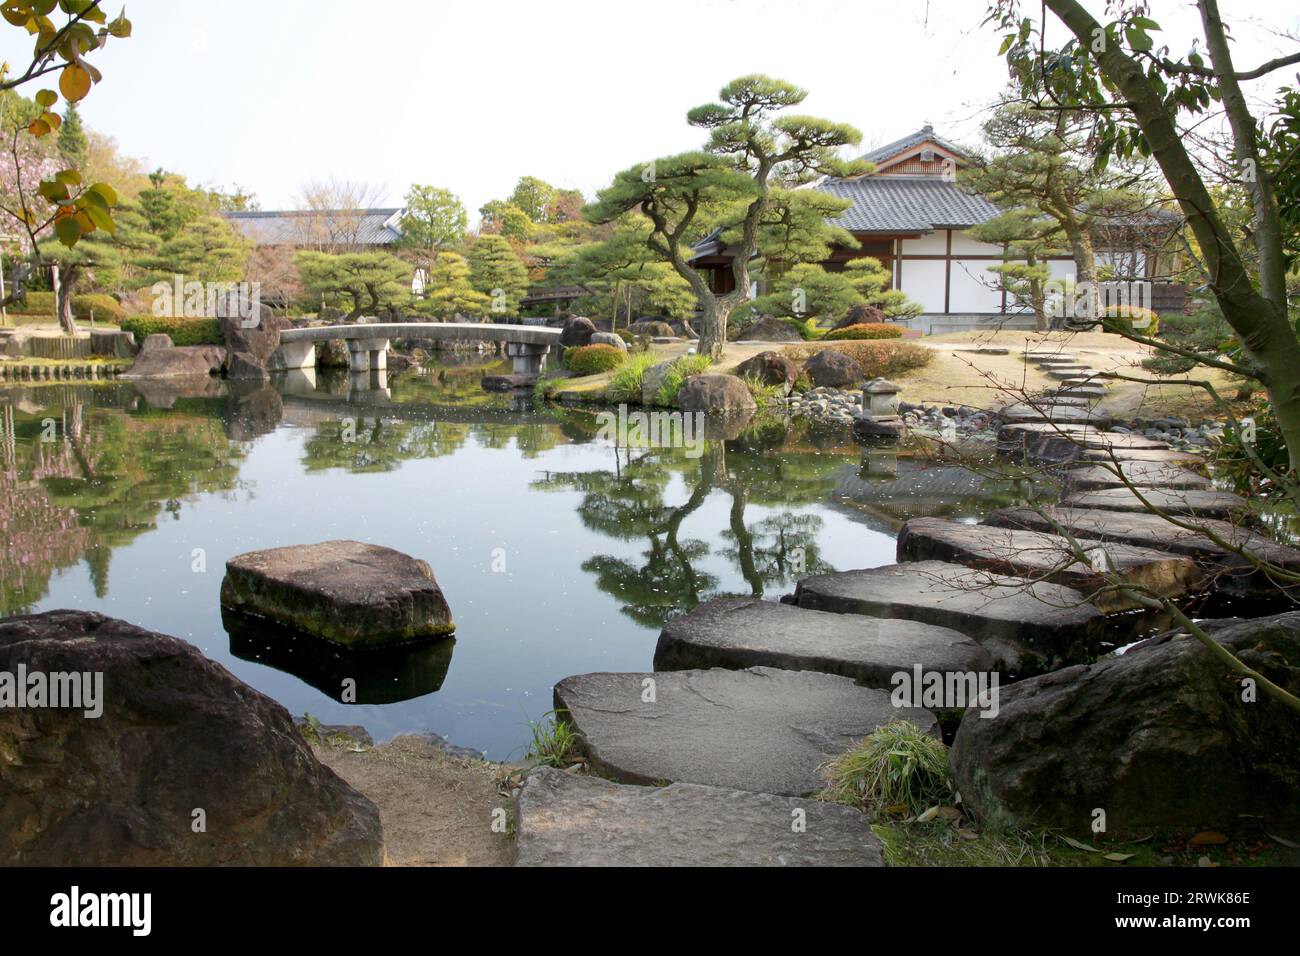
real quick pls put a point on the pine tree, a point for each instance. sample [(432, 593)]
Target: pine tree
[(496, 272), (73, 145)]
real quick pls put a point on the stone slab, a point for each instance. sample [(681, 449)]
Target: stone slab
[(761, 729), (1049, 557), (1049, 410), (349, 592), (1184, 502), (1142, 474), (569, 819), (1026, 626), (744, 632)]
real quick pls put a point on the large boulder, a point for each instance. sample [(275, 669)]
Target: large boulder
[(180, 741), (770, 368), (832, 369), (244, 367), (715, 393), (651, 379), (189, 361), (609, 338), (571, 820), (157, 340), (1164, 738), (348, 592), (768, 328), (577, 332), (257, 335)]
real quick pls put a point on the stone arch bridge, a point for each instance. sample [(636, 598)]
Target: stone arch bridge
[(526, 345)]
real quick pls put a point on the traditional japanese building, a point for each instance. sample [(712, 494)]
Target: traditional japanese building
[(912, 214)]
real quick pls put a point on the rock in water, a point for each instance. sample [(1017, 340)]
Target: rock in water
[(715, 393), (191, 361), (761, 729), (577, 332), (344, 591), (570, 820), (177, 733), (1159, 737)]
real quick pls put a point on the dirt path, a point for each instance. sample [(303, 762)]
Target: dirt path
[(436, 809)]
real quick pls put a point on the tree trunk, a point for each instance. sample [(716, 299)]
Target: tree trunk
[(713, 325), (1085, 273), (67, 287)]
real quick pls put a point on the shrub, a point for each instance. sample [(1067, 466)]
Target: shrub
[(625, 386), (106, 308), (1130, 319), (593, 359), (878, 359), (182, 331), (866, 330), (899, 770), (678, 373)]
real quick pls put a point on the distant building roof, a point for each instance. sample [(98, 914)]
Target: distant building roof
[(893, 204), (925, 134), (308, 227)]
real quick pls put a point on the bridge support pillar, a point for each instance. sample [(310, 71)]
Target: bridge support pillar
[(365, 355), (527, 359), (298, 355)]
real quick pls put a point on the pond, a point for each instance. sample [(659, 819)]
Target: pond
[(559, 552)]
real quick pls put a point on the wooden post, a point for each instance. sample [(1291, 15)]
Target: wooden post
[(4, 312)]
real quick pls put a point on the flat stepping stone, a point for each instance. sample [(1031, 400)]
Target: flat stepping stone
[(1209, 504), (1072, 373), (1066, 442), (568, 819), (761, 729), (1090, 390), (1052, 361), (1050, 411), (1150, 531), (1143, 474), (348, 592), (1166, 456), (1050, 557), (743, 632), (1038, 356), (1025, 625)]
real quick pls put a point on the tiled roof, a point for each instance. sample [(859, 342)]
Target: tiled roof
[(906, 204), (366, 227), (922, 135)]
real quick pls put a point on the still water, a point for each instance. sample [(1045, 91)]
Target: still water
[(559, 552)]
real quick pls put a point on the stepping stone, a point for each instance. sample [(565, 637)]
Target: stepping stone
[(348, 592), (1077, 401), (1091, 380), (1052, 361), (743, 632), (568, 819), (1209, 504), (1143, 474), (762, 729), (1026, 626), (1048, 441), (1050, 557), (1092, 390), (1166, 456), (1152, 531), (1072, 373), (1049, 411), (1038, 356)]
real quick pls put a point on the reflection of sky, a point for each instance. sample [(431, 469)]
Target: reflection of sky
[(518, 632)]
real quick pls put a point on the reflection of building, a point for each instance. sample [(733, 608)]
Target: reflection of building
[(911, 213)]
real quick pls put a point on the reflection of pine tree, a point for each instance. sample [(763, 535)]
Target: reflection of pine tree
[(97, 560), (778, 550)]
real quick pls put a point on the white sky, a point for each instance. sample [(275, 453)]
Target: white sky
[(471, 95)]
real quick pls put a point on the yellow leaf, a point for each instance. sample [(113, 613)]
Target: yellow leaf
[(1119, 857), (74, 82), (1207, 838)]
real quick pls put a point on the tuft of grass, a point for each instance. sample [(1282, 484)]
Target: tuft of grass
[(898, 771), (678, 373), (546, 387), (553, 739), (763, 393), (625, 385)]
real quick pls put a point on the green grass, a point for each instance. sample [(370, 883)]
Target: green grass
[(898, 771), (553, 740), (764, 394), (625, 385), (682, 369)]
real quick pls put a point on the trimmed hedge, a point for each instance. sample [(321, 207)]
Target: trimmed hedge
[(865, 330), (106, 308), (593, 359), (182, 331)]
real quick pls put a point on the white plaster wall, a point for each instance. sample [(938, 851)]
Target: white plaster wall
[(923, 281)]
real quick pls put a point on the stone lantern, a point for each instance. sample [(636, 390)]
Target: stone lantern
[(880, 399)]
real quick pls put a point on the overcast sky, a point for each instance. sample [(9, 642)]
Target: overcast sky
[(471, 95)]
